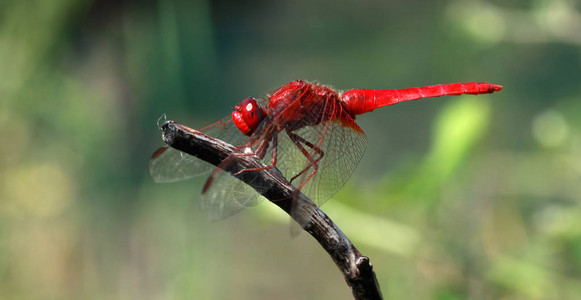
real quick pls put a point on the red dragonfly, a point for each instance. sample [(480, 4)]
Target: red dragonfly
[(306, 130)]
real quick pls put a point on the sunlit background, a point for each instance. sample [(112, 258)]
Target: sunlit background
[(456, 198)]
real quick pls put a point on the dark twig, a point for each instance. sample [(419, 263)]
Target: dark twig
[(356, 268)]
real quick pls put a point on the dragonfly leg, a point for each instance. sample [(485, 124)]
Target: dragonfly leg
[(297, 140), (261, 153)]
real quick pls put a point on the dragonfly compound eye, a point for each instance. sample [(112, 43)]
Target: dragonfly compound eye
[(247, 115)]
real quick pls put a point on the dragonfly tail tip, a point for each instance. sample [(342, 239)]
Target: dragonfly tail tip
[(495, 88)]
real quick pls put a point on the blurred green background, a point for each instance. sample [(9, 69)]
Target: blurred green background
[(456, 198)]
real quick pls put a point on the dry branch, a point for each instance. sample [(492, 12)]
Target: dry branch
[(356, 268)]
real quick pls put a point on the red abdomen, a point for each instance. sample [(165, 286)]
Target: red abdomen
[(359, 101)]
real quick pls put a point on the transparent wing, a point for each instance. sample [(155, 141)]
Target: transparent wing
[(336, 146), (170, 165), (343, 149), (228, 195)]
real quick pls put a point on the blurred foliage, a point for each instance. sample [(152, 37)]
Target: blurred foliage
[(456, 198)]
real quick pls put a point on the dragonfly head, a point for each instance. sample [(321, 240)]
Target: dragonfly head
[(248, 115)]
